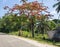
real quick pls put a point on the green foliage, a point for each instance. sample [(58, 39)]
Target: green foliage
[(9, 23), (13, 33), (25, 34), (58, 6), (52, 25), (56, 21), (44, 25), (12, 22)]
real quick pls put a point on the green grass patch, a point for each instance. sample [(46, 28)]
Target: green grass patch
[(14, 33)]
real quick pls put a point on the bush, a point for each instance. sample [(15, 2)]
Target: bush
[(26, 34), (14, 33)]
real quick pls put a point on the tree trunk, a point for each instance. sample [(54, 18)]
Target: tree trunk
[(19, 33), (32, 28)]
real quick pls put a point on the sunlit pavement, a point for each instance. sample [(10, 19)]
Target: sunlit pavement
[(13, 41)]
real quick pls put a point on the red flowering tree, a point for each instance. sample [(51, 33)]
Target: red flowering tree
[(33, 11)]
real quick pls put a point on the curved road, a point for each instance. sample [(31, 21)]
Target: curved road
[(14, 41), (9, 41)]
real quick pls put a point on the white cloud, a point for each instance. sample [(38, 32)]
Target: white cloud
[(53, 12)]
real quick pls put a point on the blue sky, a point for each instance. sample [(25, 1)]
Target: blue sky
[(10, 3)]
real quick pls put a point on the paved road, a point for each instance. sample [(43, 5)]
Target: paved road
[(9, 41), (14, 41)]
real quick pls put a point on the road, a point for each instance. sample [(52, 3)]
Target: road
[(9, 41), (14, 41)]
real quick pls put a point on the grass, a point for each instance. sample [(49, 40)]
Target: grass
[(37, 37), (13, 33)]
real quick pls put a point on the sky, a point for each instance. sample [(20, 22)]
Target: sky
[(11, 3)]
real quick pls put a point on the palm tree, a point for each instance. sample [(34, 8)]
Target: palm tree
[(58, 6)]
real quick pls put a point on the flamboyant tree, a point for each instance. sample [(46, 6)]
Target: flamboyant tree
[(32, 10)]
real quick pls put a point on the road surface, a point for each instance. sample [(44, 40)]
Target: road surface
[(13, 41)]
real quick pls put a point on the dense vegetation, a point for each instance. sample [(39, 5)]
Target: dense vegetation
[(13, 22)]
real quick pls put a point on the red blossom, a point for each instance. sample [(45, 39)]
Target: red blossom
[(31, 8)]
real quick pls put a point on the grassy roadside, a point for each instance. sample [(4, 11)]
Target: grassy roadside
[(37, 38)]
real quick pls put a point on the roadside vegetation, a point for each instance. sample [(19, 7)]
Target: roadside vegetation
[(29, 21)]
